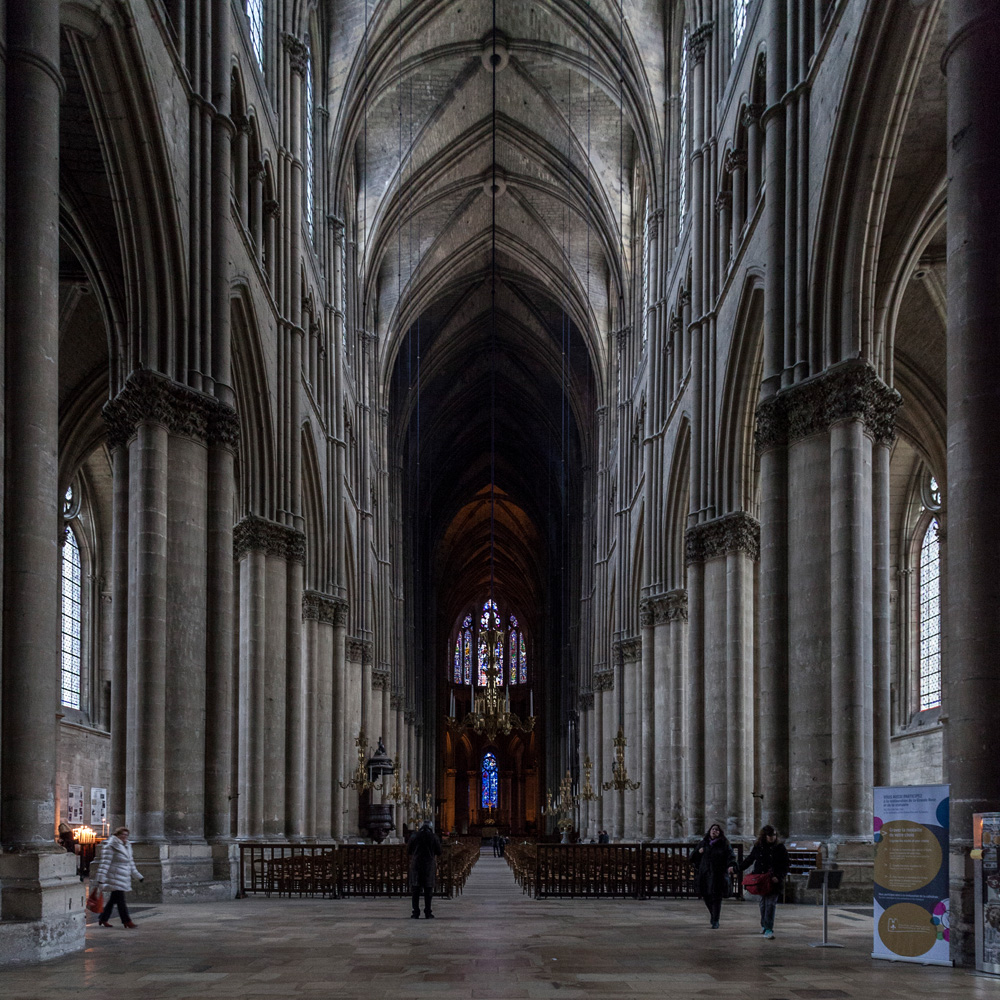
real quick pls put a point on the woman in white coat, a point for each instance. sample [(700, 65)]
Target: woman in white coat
[(115, 873)]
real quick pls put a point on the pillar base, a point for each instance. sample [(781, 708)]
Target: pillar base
[(186, 873), (42, 903)]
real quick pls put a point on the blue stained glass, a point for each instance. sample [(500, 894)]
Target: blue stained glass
[(491, 796), (522, 660), (512, 658), (457, 671)]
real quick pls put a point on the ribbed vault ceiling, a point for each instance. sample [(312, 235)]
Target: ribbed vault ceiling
[(508, 300)]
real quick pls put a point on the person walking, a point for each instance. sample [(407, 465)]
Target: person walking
[(424, 849), (115, 872), (715, 859), (768, 857)]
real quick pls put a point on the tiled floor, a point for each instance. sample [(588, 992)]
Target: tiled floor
[(490, 943)]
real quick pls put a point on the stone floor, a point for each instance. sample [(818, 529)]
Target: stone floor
[(492, 942)]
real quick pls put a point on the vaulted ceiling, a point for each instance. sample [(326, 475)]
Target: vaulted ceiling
[(489, 164)]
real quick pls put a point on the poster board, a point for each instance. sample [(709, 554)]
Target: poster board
[(911, 874), (98, 808), (74, 811)]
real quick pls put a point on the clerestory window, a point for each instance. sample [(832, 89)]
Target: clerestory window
[(71, 656), (255, 15)]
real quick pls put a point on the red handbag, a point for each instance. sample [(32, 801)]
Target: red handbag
[(95, 901), (758, 885)]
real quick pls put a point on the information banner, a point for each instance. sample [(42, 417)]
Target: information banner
[(98, 808), (74, 814), (911, 874)]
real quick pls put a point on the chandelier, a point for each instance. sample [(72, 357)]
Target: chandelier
[(620, 780), (491, 715), (563, 805)]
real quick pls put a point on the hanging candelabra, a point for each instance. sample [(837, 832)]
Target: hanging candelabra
[(492, 716), (562, 807), (620, 781), (587, 793), (362, 779)]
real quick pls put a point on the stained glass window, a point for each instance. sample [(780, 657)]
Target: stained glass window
[(72, 620), (682, 139), (467, 649), (739, 22), (457, 674), (522, 660), (491, 791), (255, 15), (512, 649), (930, 618), (490, 618)]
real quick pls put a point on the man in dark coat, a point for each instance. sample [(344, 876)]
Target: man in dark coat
[(424, 849)]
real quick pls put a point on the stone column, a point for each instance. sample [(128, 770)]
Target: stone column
[(751, 120), (694, 703), (270, 554), (38, 885), (726, 549), (677, 619), (972, 689), (340, 762), (321, 614), (881, 614)]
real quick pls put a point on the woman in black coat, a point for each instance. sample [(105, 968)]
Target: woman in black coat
[(424, 849), (715, 859), (768, 856)]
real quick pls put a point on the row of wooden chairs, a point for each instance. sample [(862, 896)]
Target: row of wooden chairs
[(639, 871), (338, 871)]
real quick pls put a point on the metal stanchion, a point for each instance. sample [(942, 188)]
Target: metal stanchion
[(825, 879)]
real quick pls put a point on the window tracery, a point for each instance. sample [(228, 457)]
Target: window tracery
[(71, 656), (255, 15), (682, 139), (739, 22), (929, 597), (310, 142), (469, 644)]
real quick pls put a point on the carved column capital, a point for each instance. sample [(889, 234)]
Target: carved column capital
[(604, 680), (298, 53), (850, 390), (243, 125), (724, 201), (736, 159), (324, 609), (669, 607), (258, 534), (150, 396), (752, 114), (736, 532), (359, 650), (698, 42)]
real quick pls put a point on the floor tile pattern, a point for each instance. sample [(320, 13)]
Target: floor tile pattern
[(492, 943)]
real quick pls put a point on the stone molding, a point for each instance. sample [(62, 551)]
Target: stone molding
[(298, 53), (257, 534), (850, 390), (323, 608), (150, 396), (396, 701), (243, 125), (669, 607), (736, 532), (359, 650), (381, 680), (723, 201), (752, 114), (272, 208), (698, 42), (586, 701)]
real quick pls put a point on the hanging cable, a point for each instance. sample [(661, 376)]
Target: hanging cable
[(493, 307)]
